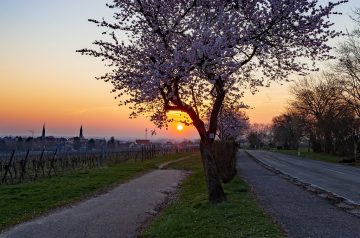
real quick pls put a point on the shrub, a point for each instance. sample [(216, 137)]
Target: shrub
[(225, 158)]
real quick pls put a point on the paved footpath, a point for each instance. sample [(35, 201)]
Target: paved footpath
[(301, 213), (118, 213)]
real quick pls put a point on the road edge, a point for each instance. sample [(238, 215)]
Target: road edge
[(337, 200)]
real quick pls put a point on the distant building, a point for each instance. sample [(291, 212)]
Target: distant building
[(143, 142), (125, 145), (169, 145), (43, 135), (81, 135)]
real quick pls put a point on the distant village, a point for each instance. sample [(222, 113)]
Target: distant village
[(80, 143)]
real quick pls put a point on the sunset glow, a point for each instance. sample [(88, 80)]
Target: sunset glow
[(180, 127), (44, 80)]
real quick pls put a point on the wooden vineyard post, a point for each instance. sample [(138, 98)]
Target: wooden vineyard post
[(7, 168), (142, 153), (23, 164), (52, 164), (39, 165)]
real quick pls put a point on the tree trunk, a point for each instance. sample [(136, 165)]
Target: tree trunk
[(215, 190), (355, 150), (355, 141), (328, 142)]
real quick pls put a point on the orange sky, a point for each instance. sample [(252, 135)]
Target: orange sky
[(43, 79), (66, 97)]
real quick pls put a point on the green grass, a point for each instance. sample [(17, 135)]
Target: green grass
[(312, 155), (22, 202), (193, 216)]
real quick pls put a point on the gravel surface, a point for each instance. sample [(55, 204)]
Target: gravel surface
[(299, 212), (118, 213)]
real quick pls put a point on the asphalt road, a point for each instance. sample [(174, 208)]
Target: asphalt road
[(299, 212), (341, 180), (118, 213)]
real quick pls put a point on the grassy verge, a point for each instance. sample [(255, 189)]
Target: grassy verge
[(313, 155), (192, 216), (22, 202)]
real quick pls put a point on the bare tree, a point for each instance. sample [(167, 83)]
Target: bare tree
[(319, 99), (288, 128), (259, 135), (348, 67)]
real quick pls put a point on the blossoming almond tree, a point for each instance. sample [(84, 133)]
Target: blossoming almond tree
[(192, 55), (232, 122)]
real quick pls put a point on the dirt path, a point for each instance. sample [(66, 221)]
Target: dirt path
[(118, 213)]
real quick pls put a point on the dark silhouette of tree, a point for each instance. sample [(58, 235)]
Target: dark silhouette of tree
[(259, 136), (288, 129), (111, 143), (254, 140), (29, 142), (91, 144), (319, 113), (320, 99), (77, 143), (3, 145), (348, 67)]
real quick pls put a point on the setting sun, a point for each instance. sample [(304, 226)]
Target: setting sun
[(180, 127)]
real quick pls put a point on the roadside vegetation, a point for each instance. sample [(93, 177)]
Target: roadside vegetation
[(304, 153), (22, 202), (191, 215), (323, 112), (313, 155)]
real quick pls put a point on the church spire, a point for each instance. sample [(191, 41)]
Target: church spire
[(43, 132), (81, 133)]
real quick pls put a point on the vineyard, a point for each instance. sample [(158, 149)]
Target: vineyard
[(18, 167)]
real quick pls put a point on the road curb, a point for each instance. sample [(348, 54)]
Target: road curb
[(339, 201)]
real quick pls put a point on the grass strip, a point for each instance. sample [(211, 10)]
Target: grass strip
[(312, 155), (21, 202), (193, 216)]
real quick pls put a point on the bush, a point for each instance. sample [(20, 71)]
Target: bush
[(225, 158)]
